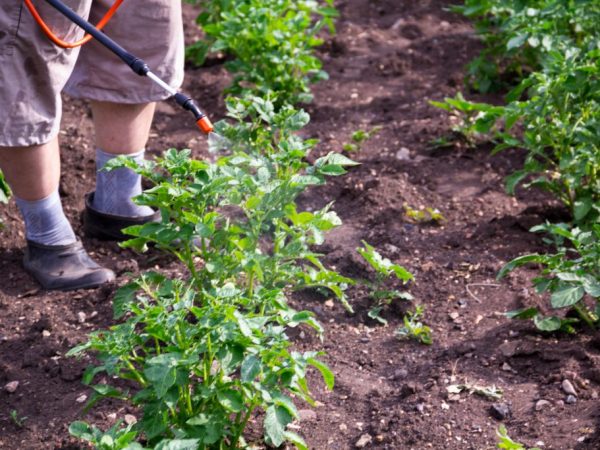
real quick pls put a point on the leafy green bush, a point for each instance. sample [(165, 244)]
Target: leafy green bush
[(554, 114), (570, 275), (558, 125), (523, 36), (207, 351), (271, 41)]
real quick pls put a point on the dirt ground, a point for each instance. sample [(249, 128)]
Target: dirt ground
[(388, 59)]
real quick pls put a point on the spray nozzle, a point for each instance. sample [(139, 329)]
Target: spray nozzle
[(187, 103)]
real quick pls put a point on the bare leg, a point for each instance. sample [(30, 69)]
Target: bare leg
[(32, 172), (122, 129)]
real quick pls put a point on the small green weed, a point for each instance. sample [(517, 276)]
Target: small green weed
[(489, 392), (414, 329), (117, 437), (384, 269), (421, 215), (507, 443), (359, 138), (17, 420)]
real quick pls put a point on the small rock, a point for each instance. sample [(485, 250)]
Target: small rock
[(500, 411), (130, 419), (363, 441), (567, 386), (506, 367), (508, 349), (454, 315), (560, 403), (11, 387), (111, 416), (379, 438), (403, 154), (81, 316), (571, 399), (420, 407), (400, 374), (45, 333), (541, 404), (329, 303), (343, 427), (306, 415), (82, 398)]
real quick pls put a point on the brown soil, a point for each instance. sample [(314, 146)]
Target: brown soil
[(388, 59)]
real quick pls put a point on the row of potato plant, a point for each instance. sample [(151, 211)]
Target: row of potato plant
[(208, 351), (553, 113), (206, 355)]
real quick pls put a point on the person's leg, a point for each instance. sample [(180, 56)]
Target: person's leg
[(33, 174), (53, 256), (121, 129)]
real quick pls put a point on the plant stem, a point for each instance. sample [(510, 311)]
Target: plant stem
[(583, 313)]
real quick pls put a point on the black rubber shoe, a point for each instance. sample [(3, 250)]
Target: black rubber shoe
[(108, 227), (64, 267)]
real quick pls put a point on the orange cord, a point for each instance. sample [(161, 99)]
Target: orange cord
[(60, 42)]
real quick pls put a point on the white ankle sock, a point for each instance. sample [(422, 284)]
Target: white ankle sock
[(115, 189), (45, 221)]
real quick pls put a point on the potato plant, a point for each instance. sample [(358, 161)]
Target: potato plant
[(572, 276), (271, 43), (522, 37), (206, 352), (553, 113)]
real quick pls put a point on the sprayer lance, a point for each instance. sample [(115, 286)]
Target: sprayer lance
[(136, 64)]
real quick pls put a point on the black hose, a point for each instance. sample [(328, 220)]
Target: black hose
[(137, 65)]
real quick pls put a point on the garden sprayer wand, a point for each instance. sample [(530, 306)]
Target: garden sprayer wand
[(136, 64)]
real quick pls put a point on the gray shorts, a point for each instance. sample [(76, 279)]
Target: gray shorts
[(34, 71)]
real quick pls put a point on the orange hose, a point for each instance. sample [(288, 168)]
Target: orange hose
[(88, 37)]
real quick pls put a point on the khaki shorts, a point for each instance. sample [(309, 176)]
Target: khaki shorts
[(34, 71)]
